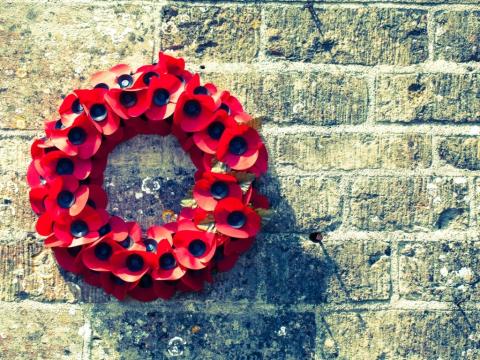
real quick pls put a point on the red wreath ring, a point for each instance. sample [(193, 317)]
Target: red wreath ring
[(215, 226)]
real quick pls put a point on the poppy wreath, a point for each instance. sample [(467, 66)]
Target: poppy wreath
[(216, 224)]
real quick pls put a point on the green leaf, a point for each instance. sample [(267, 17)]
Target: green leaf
[(207, 224), (265, 214), (220, 167), (244, 180), (190, 203)]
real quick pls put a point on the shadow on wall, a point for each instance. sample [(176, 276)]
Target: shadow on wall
[(261, 309)]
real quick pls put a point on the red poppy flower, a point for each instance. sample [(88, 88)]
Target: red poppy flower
[(239, 147), (115, 228), (194, 280), (98, 110), (235, 219), (117, 77), (92, 277), (69, 258), (194, 87), (145, 289), (207, 140), (69, 110), (175, 66), (162, 96), (133, 238), (261, 165), (81, 138), (66, 197), (37, 199), (165, 289), (214, 187), (167, 267), (194, 248), (56, 163), (96, 256), (236, 246), (194, 112), (128, 103), (115, 286), (131, 265), (224, 262), (33, 177), (79, 230), (231, 106), (185, 139)]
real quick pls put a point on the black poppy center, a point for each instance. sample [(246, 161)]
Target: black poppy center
[(103, 251), (74, 251), (150, 245), (128, 98), (148, 76), (134, 262), (200, 90), (226, 108), (126, 243), (125, 81), (98, 112), (58, 125), (167, 261), (146, 281), (192, 108), (77, 136), (65, 199), (236, 219), (161, 97), (101, 86), (116, 280), (197, 248), (105, 229), (238, 145), (215, 130), (219, 190), (79, 228), (77, 108), (64, 167)]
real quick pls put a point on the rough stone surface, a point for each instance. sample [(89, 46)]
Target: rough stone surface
[(315, 152), (48, 51), (330, 271), (211, 33), (311, 97), (195, 334), (460, 151), (29, 331), (446, 270), (408, 203), (457, 35), (422, 97), (399, 335), (294, 33)]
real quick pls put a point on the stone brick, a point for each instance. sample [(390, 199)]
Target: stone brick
[(50, 50), (457, 35), (366, 36), (408, 203), (460, 151), (428, 98), (211, 33), (153, 333), (399, 334), (309, 97), (332, 271), (447, 270), (15, 213), (348, 151), (30, 272), (303, 204), (32, 331)]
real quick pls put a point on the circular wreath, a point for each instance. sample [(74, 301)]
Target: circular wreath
[(215, 225)]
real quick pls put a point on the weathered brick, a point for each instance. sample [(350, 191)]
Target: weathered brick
[(445, 270), (460, 151), (366, 36), (48, 51), (16, 216), (30, 272), (347, 151), (428, 97), (153, 333), (32, 331), (399, 334), (457, 35), (408, 203), (309, 97), (299, 271), (303, 204), (211, 33)]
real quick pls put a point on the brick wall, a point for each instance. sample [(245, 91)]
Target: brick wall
[(371, 114)]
